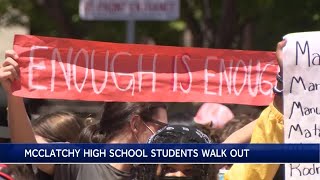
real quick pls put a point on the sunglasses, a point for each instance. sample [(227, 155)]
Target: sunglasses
[(154, 121), (157, 122)]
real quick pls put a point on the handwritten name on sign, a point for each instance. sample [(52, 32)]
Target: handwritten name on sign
[(302, 97), (99, 71)]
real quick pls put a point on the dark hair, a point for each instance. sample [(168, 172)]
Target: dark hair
[(181, 119), (177, 134), (233, 125), (187, 120), (59, 127), (213, 133), (114, 118)]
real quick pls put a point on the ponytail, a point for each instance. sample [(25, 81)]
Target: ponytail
[(92, 134)]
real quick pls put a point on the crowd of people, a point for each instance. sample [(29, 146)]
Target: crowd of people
[(128, 122)]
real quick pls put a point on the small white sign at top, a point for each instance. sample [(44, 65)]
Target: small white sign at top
[(124, 10)]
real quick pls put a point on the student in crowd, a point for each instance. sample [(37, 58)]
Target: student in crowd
[(268, 129), (120, 123), (58, 127), (242, 135), (63, 127), (213, 115), (54, 127), (177, 134), (232, 132), (235, 125)]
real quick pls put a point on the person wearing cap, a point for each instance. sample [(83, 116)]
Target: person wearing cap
[(177, 134)]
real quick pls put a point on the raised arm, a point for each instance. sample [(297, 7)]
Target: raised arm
[(268, 129), (278, 101), (244, 134), (19, 123)]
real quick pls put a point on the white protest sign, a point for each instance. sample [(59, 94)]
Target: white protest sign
[(160, 10), (302, 97)]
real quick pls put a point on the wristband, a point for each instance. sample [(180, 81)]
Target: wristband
[(277, 91)]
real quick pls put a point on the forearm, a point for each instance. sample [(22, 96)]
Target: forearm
[(278, 99), (19, 123), (21, 129), (268, 129)]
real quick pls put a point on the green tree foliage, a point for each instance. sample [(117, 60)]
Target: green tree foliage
[(250, 24)]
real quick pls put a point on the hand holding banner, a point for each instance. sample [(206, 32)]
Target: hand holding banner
[(60, 68), (301, 97)]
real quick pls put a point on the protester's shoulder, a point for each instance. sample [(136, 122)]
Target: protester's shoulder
[(74, 168), (106, 171), (271, 113), (92, 171), (117, 173)]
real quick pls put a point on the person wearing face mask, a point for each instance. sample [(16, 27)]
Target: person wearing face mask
[(121, 122), (177, 134)]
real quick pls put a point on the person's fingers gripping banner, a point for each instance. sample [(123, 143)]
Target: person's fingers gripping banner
[(60, 68)]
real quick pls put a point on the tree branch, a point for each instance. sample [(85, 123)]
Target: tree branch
[(192, 23), (207, 24), (56, 12), (227, 24)]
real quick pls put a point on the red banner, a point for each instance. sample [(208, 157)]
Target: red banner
[(58, 68)]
